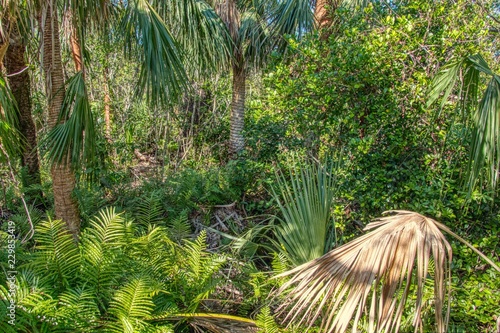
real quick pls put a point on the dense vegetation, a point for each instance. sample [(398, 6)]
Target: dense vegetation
[(135, 198)]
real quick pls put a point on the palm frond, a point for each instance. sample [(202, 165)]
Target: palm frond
[(370, 277), (253, 37), (305, 203), (485, 145), (162, 75), (211, 322), (291, 17), (76, 137), (201, 33)]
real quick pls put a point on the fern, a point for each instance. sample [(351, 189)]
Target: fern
[(132, 304), (200, 270), (180, 228), (265, 322), (102, 257), (57, 257), (149, 210)]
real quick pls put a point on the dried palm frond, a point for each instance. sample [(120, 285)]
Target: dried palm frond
[(370, 277)]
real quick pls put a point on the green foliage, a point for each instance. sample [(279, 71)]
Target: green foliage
[(486, 135), (115, 279), (9, 121), (76, 136), (265, 322), (305, 202)]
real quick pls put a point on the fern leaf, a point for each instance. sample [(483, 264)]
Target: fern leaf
[(56, 257), (265, 322), (134, 300)]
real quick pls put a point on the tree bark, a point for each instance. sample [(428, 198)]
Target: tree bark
[(63, 178), (324, 14), (236, 138), (19, 81), (321, 14), (228, 12)]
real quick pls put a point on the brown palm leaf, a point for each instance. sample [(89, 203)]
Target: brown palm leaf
[(370, 277)]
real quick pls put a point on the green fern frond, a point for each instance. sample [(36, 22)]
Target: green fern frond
[(133, 300), (56, 257), (102, 253), (179, 228), (108, 227), (280, 263), (149, 210), (265, 322)]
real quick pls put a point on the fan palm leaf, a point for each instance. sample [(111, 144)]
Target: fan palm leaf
[(75, 134), (162, 73), (305, 203), (485, 144), (371, 277)]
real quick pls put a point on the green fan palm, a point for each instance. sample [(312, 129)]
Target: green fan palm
[(485, 144), (306, 229)]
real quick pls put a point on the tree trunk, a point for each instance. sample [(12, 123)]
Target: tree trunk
[(107, 105), (321, 14), (63, 178), (19, 81), (236, 139), (324, 14)]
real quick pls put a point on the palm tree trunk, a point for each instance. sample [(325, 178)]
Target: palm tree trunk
[(321, 13), (63, 178), (19, 82), (236, 138), (324, 14)]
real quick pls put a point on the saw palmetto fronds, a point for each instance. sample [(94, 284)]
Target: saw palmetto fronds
[(485, 144), (370, 277)]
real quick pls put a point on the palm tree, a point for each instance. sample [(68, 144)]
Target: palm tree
[(256, 27), (63, 178), (162, 75), (485, 145)]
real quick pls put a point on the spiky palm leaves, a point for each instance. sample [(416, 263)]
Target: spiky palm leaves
[(370, 277), (485, 145), (306, 229)]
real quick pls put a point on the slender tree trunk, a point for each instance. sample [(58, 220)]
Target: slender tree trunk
[(107, 105), (19, 82), (324, 14), (236, 139), (228, 11), (63, 178)]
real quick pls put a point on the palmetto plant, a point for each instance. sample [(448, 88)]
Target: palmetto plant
[(370, 277), (305, 197), (485, 145)]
